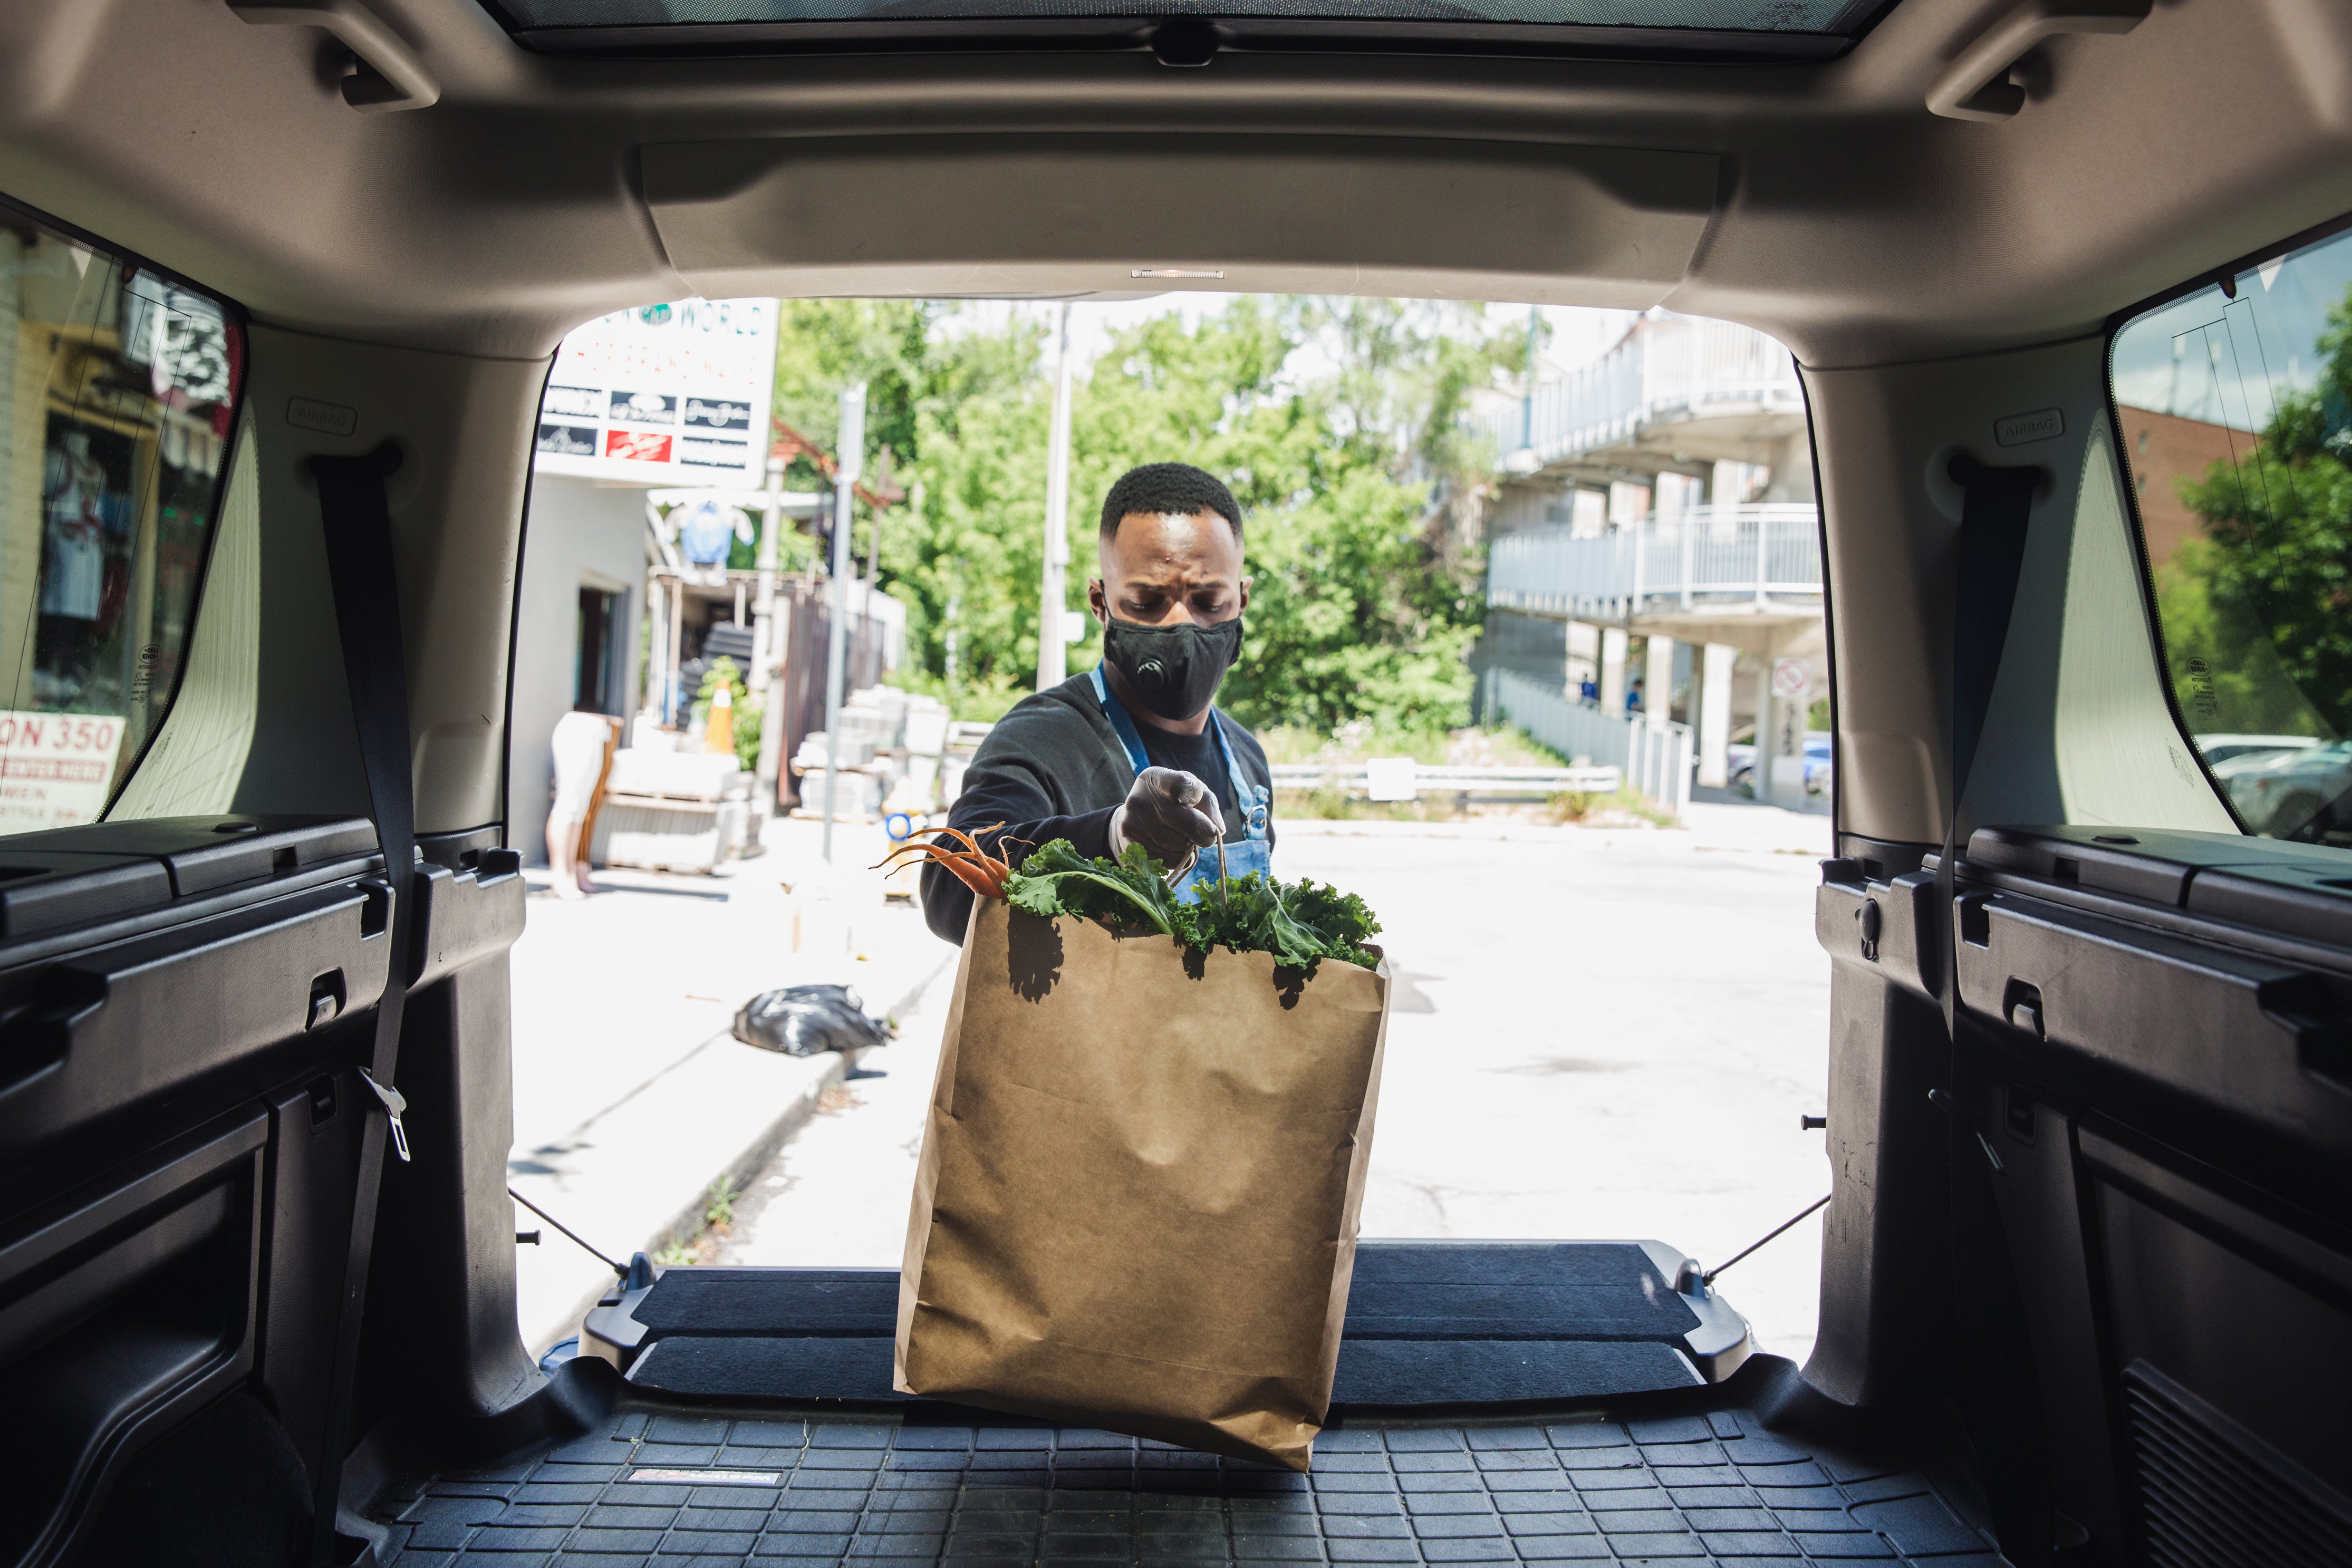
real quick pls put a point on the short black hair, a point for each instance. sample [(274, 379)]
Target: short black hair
[(1161, 488)]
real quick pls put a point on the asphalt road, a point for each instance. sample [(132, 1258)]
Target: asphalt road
[(1596, 1033)]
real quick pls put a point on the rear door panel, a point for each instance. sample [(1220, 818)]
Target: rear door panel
[(2152, 1097), (179, 1122)]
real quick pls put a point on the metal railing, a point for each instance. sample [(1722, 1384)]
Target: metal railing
[(1653, 754), (1670, 367), (1759, 552), (1520, 783)]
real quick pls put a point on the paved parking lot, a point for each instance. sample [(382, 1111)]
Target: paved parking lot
[(1596, 1033)]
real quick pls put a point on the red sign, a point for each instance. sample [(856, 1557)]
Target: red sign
[(637, 447)]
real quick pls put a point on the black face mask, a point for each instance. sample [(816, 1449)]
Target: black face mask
[(1173, 670)]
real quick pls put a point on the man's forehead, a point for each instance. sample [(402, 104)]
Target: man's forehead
[(1157, 543)]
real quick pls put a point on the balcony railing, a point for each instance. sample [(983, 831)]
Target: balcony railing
[(1672, 367), (1763, 553)]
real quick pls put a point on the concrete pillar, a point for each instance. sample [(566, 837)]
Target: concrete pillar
[(1715, 714), (1779, 737), (1589, 517), (1792, 469), (1658, 680), (1583, 655), (1612, 671)]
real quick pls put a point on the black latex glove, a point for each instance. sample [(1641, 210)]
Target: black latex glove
[(1171, 814)]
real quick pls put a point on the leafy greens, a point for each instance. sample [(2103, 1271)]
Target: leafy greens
[(1298, 923)]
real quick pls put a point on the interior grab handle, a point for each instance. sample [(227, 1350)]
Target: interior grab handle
[(1976, 86), (389, 77)]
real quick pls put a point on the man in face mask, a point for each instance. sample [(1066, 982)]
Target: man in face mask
[(1134, 751)]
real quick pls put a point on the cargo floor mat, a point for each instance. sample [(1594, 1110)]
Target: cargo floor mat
[(668, 1487), (1429, 1323)]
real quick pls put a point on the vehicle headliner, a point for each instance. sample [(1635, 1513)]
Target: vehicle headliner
[(1845, 219)]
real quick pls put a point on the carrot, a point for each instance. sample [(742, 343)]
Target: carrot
[(973, 866), (977, 873)]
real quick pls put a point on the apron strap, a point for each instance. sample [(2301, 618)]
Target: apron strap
[(1246, 794), (1116, 713)]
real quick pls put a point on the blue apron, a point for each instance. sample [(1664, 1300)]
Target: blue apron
[(1254, 852)]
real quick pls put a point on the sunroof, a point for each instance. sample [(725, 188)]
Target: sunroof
[(1676, 25)]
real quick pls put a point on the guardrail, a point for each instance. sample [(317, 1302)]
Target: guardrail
[(1520, 783), (1670, 367), (1653, 754), (1756, 551)]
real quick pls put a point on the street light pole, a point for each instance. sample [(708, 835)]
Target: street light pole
[(1052, 648), (849, 451), (764, 645)]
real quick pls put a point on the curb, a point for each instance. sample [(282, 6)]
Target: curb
[(748, 1159)]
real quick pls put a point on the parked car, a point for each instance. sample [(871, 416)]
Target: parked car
[(2220, 749), (2290, 794), (1821, 764)]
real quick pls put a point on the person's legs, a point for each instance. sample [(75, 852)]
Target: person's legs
[(578, 745), (564, 870)]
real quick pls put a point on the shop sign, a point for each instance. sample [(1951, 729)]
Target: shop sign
[(54, 768), (668, 394)]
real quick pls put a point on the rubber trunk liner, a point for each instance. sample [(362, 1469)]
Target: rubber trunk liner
[(667, 1487), (1428, 1323)]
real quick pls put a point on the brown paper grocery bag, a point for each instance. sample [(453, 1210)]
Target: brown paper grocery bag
[(1136, 1206)]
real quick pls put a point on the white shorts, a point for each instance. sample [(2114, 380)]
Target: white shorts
[(578, 744)]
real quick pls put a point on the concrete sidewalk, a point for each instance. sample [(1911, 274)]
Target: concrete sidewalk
[(631, 1097)]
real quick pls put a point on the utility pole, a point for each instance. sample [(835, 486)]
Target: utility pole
[(882, 497), (1528, 400), (1052, 650), (766, 663), (850, 453)]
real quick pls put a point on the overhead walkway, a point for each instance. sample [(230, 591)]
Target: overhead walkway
[(1679, 393), (1760, 561), (1664, 492)]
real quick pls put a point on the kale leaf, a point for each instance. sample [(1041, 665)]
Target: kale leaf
[(1298, 923), (1058, 880)]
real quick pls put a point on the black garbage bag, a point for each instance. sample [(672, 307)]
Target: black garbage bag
[(801, 1021)]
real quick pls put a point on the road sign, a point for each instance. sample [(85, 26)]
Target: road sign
[(1790, 681), (1389, 779)]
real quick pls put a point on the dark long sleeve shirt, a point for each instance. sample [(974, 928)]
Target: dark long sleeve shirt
[(1054, 768)]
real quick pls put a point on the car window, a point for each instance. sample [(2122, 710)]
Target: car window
[(2234, 408), (118, 398), (1832, 22)]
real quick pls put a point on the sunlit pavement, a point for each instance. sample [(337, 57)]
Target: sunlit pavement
[(1596, 1033), (630, 1097)]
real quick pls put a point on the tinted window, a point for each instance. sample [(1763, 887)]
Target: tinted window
[(1830, 21), (2235, 409), (118, 390)]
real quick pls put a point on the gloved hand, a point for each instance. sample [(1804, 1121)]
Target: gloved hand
[(1171, 814)]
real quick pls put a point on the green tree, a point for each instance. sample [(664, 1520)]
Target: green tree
[(1336, 422), (2255, 615), (1366, 596)]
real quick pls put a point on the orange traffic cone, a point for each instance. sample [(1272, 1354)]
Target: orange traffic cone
[(719, 732)]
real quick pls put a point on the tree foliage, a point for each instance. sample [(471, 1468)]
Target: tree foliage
[(1336, 423), (2255, 614)]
